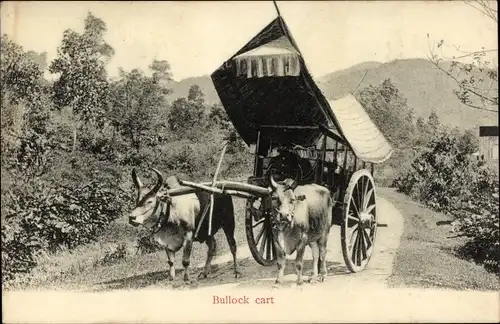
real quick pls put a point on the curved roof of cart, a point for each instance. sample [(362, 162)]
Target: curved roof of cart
[(292, 100)]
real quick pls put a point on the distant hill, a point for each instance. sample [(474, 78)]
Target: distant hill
[(425, 87), (181, 88)]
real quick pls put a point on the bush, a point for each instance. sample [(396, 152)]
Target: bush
[(146, 244), (478, 220), (42, 217), (114, 254), (448, 179)]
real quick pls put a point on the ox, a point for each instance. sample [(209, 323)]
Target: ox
[(173, 221), (302, 216)]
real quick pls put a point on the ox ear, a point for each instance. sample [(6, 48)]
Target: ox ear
[(301, 197), (136, 180), (162, 192)]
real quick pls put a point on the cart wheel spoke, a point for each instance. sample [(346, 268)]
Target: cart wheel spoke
[(263, 244), (366, 193), (351, 217), (357, 197), (368, 196), (352, 239), (353, 229), (353, 249), (367, 238), (355, 207), (359, 250), (260, 221), (370, 209), (363, 246), (259, 235), (268, 245)]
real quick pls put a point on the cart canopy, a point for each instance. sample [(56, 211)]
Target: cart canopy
[(364, 137), (267, 83)]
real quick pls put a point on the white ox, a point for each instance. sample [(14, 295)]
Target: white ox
[(173, 221), (302, 216)]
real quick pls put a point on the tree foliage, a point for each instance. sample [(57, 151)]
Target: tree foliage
[(187, 116), (80, 63), (25, 108), (389, 110), (139, 104)]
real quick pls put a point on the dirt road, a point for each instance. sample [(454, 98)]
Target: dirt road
[(342, 297), (379, 269)]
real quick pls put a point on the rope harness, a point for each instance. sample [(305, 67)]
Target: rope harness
[(161, 212)]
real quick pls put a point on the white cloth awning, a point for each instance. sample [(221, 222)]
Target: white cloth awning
[(365, 138)]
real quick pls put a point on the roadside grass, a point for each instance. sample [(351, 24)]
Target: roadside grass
[(114, 258), (427, 256)]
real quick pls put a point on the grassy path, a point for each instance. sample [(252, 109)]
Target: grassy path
[(426, 256)]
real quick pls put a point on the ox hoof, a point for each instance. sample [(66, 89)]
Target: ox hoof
[(177, 285), (314, 279), (299, 282), (322, 278), (192, 283), (202, 275), (237, 274)]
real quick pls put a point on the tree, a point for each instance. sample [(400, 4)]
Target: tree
[(420, 124), (184, 115), (477, 80), (218, 117), (433, 122), (389, 111), (195, 94), (82, 84), (139, 103), (187, 117), (410, 116), (161, 72), (25, 108)]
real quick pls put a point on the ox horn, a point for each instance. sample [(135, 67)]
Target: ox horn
[(135, 178), (159, 184), (274, 185)]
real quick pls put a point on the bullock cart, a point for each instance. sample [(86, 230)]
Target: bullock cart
[(294, 132)]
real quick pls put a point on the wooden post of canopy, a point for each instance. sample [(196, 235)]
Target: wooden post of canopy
[(256, 156), (213, 185)]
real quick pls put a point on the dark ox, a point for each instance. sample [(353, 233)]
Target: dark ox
[(302, 216), (174, 220)]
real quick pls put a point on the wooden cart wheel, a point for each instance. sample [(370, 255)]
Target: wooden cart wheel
[(359, 223), (259, 234)]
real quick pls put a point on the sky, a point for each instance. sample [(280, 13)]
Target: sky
[(197, 37)]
